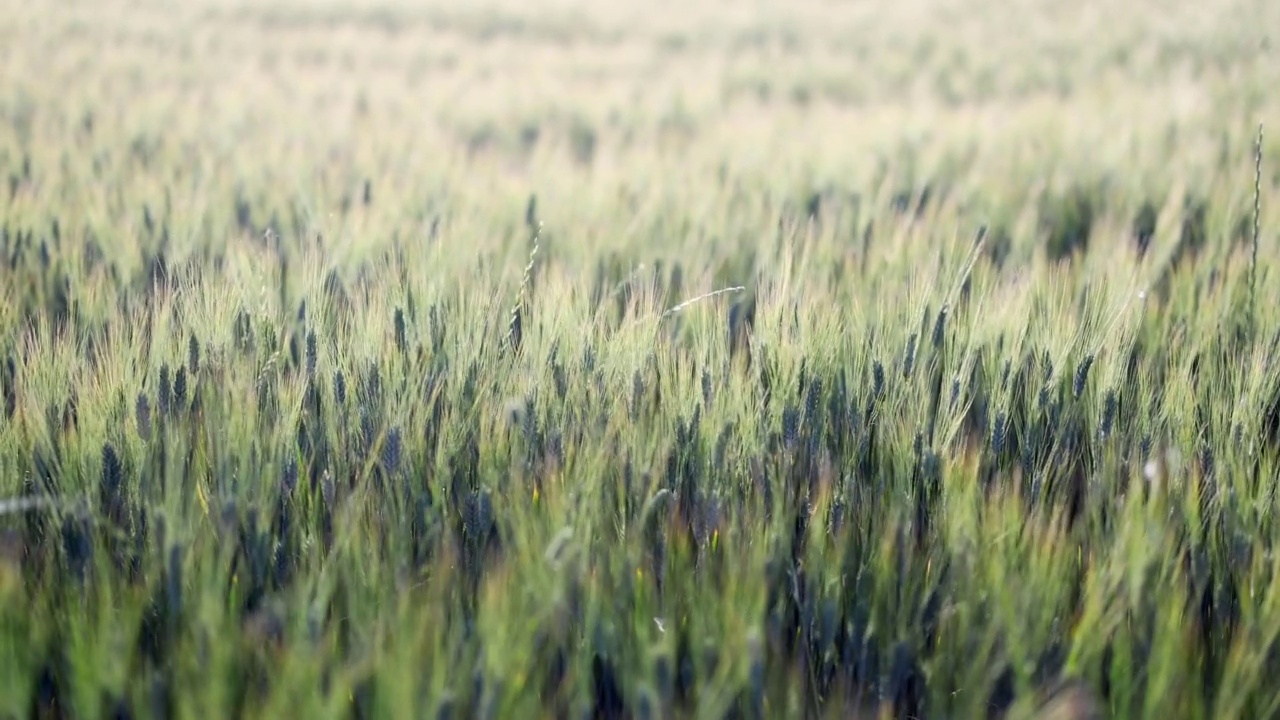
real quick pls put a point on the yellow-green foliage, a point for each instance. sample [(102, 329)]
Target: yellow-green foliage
[(676, 359)]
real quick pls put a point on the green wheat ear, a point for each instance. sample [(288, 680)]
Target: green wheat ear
[(514, 326)]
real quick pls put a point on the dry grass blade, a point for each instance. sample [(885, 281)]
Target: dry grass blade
[(693, 301)]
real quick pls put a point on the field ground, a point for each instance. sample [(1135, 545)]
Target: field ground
[(346, 368)]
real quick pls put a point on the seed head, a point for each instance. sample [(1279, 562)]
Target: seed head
[(790, 426), (164, 394), (811, 398), (909, 358), (111, 492), (340, 388), (1081, 376), (112, 470), (366, 428), (391, 451), (77, 542), (193, 354), (529, 422), (373, 383), (437, 329), (998, 433), (637, 391), (142, 414), (940, 327), (312, 354), (401, 340), (1108, 413), (8, 378), (478, 515), (180, 389), (243, 331), (560, 379), (722, 444)]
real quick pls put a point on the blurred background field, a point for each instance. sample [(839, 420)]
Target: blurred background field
[(342, 374)]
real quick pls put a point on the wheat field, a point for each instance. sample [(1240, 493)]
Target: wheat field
[(571, 359)]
